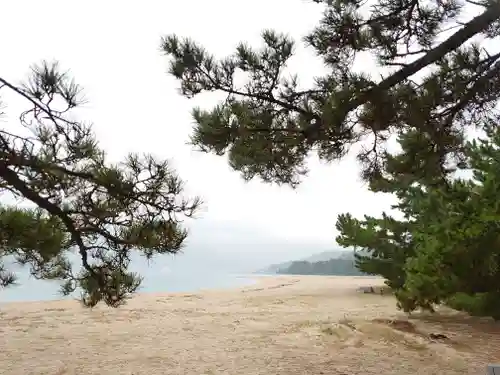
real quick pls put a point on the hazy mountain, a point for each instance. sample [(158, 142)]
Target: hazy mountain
[(325, 255), (335, 266), (318, 257)]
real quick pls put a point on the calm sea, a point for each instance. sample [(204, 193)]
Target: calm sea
[(30, 289)]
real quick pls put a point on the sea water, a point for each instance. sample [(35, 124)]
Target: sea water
[(30, 289)]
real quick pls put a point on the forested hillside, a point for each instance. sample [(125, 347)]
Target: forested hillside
[(339, 266), (318, 257)]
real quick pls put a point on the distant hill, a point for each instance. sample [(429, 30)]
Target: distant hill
[(273, 268), (337, 266), (320, 257)]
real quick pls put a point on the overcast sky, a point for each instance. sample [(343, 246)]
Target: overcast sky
[(112, 49)]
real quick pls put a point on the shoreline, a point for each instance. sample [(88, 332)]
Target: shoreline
[(244, 280), (250, 280), (259, 282)]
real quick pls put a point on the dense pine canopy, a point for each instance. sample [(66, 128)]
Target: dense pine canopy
[(268, 126)]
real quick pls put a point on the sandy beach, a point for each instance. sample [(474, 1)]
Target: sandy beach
[(281, 325)]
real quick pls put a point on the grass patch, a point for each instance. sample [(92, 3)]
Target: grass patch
[(338, 331), (392, 332), (395, 333), (342, 330), (397, 324), (55, 309)]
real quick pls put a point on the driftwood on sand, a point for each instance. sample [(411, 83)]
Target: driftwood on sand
[(374, 289)]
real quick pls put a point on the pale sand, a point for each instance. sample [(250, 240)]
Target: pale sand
[(282, 325)]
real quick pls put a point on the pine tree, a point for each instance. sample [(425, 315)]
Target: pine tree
[(270, 125), (441, 77), (458, 250), (80, 202), (450, 251)]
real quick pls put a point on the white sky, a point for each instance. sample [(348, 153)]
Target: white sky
[(112, 49)]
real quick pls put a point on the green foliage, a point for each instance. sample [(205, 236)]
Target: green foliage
[(83, 203), (458, 246), (32, 238), (269, 125), (340, 267), (479, 304), (389, 247), (438, 81), (452, 235)]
